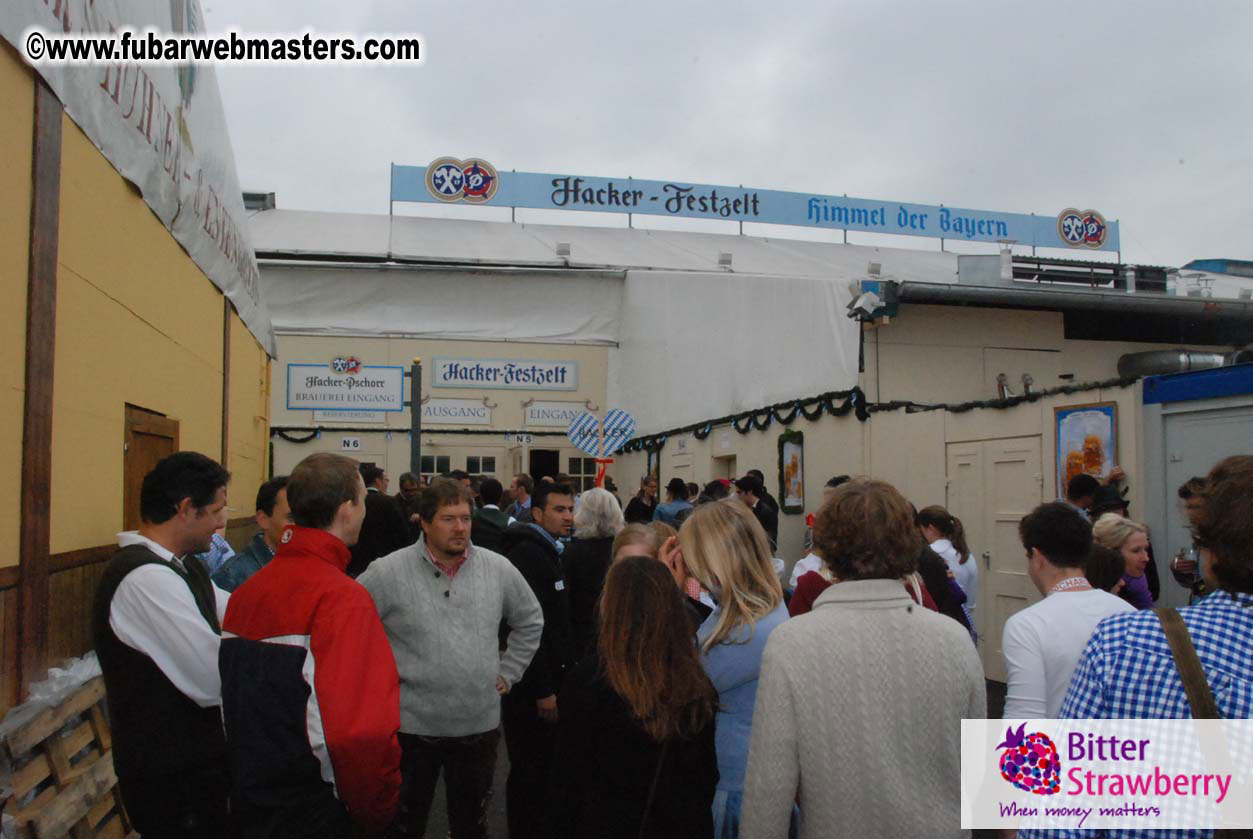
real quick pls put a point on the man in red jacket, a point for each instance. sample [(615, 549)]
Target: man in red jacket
[(310, 695)]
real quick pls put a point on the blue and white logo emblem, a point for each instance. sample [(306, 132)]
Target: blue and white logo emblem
[(1081, 228), (444, 179), (474, 181)]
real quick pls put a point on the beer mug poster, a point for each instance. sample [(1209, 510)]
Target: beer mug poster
[(1087, 441)]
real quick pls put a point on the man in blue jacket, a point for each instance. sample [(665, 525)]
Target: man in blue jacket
[(273, 515)]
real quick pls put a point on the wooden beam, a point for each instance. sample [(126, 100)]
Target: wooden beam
[(77, 559), (226, 380), (41, 313), (10, 576)]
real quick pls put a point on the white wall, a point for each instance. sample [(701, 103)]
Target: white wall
[(932, 354)]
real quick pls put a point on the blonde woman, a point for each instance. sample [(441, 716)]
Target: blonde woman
[(1130, 539), (641, 540), (723, 546)]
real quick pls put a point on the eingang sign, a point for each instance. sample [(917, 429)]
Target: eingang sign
[(476, 181), (552, 414)]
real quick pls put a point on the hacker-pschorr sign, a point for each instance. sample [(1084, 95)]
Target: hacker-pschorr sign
[(339, 386)]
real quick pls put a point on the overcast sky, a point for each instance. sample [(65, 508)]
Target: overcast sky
[(1138, 110)]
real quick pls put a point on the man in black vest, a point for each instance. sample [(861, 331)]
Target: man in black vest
[(156, 626)]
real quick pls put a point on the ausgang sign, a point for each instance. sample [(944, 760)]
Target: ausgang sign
[(507, 373), (456, 412), (476, 181), (324, 387)]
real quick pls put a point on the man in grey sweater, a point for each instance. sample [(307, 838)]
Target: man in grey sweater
[(442, 601)]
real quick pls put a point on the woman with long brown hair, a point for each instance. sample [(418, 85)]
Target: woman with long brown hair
[(635, 751)]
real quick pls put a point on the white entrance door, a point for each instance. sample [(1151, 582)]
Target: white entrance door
[(992, 484)]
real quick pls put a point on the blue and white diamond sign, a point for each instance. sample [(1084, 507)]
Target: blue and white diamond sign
[(601, 438)]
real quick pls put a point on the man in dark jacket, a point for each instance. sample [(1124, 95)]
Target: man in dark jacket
[(529, 711), (770, 500), (156, 626), (751, 492), (487, 527), (385, 529)]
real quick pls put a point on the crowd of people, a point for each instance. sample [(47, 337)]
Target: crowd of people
[(647, 668)]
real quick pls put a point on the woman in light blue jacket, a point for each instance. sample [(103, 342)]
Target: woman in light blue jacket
[(723, 546)]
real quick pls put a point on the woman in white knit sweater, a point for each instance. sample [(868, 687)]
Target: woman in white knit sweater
[(859, 707)]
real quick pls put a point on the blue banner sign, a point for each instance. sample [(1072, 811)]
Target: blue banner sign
[(475, 181)]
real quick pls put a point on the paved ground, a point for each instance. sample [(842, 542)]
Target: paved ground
[(437, 827)]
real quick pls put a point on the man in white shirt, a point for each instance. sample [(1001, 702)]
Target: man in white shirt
[(156, 621), (1042, 643)]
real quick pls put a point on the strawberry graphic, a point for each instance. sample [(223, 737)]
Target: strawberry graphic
[(1030, 762)]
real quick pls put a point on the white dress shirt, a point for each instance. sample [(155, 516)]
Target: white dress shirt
[(153, 611), (807, 563), (1042, 645)]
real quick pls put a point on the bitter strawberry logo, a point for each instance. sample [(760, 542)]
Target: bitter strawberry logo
[(1030, 762)]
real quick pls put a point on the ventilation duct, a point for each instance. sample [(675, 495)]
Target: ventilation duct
[(1157, 362)]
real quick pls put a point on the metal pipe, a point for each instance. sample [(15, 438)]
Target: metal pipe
[(1209, 308), (1156, 362), (415, 417)]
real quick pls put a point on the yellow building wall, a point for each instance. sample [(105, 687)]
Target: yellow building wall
[(17, 91), (138, 323), (248, 449)]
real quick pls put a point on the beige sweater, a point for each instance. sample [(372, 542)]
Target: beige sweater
[(859, 713)]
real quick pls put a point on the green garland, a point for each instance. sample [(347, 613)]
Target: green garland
[(842, 402)]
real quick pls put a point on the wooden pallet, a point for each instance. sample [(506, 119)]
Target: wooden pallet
[(63, 755)]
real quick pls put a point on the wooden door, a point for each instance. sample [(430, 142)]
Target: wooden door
[(992, 484), (149, 438)]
